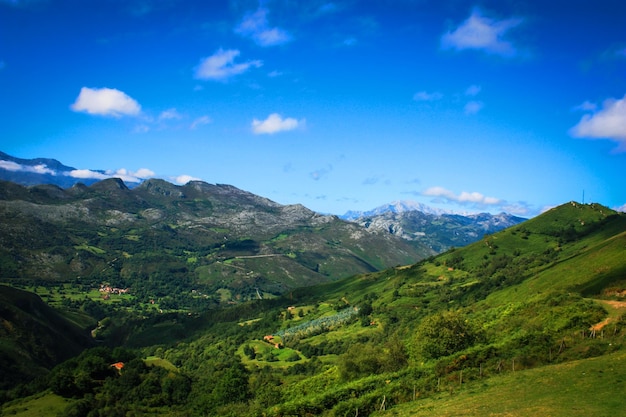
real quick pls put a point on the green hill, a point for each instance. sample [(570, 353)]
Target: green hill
[(486, 327), (33, 337)]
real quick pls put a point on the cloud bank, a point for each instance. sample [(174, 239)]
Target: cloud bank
[(122, 173), (274, 124), (105, 102), (15, 167), (481, 33), (221, 65)]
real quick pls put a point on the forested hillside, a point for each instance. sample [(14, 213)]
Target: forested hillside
[(34, 337)]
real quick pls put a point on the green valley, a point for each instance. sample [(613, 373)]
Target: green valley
[(477, 330)]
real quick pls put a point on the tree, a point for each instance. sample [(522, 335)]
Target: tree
[(395, 354), (445, 333), (266, 388), (361, 360), (249, 351), (232, 386)]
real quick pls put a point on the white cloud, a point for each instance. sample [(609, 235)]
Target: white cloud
[(42, 169), (482, 33), (473, 107), (621, 208), (144, 173), (122, 173), (607, 123), (275, 123), (87, 174), (221, 65), (463, 198), (203, 120), (15, 167), (130, 176), (255, 26), (426, 96), (10, 166), (105, 102), (184, 179)]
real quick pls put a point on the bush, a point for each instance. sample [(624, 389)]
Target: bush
[(444, 334)]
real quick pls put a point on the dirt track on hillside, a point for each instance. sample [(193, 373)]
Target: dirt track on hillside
[(619, 305)]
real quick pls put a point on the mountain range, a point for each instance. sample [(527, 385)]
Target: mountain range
[(207, 236), (433, 228)]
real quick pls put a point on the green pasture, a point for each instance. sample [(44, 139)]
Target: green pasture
[(163, 363), (38, 405), (268, 355), (590, 387), (92, 249)]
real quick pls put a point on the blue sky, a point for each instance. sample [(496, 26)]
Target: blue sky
[(338, 105)]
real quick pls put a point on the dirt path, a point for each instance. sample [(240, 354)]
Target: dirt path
[(619, 306)]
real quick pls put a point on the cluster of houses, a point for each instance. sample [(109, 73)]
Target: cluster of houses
[(107, 290)]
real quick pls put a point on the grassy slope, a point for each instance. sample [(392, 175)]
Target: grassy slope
[(554, 276), (590, 387), (33, 336), (42, 404)]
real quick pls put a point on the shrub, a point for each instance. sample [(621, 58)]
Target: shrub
[(444, 334)]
